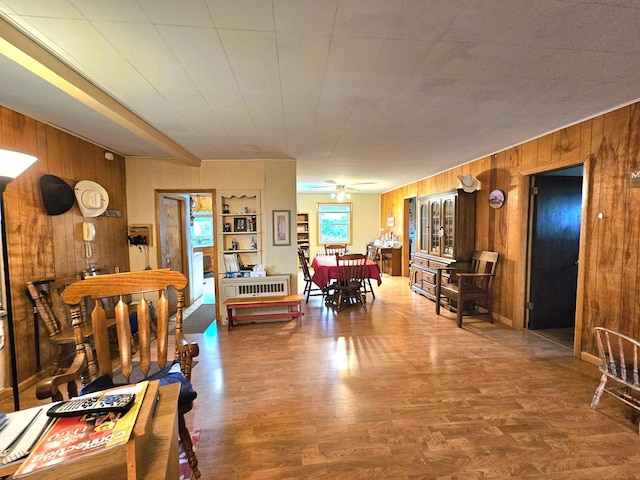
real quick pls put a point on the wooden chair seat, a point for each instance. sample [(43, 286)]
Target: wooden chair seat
[(93, 364), (472, 289)]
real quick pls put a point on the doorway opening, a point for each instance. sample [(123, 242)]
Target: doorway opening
[(186, 224), (409, 233), (554, 243)]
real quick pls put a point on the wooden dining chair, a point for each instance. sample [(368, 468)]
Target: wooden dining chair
[(374, 256), (92, 365), (350, 279), (473, 287), (310, 289), (46, 296), (335, 249)]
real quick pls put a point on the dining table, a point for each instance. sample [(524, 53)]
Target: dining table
[(325, 268)]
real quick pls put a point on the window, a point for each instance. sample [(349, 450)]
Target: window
[(334, 223), (202, 229)]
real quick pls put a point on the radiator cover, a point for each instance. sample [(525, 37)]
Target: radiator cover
[(269, 286)]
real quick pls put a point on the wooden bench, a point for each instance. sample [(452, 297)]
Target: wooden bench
[(239, 303), (619, 362)]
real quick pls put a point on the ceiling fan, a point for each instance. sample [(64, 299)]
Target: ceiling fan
[(341, 191), (343, 187)]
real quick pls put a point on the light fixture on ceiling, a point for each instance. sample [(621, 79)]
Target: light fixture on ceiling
[(340, 194), (12, 164)]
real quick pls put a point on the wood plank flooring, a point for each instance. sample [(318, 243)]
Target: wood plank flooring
[(397, 392)]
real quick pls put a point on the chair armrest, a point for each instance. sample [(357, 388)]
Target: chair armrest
[(439, 271), (476, 274), (185, 352), (50, 387)]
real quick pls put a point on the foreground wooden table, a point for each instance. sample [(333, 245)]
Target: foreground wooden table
[(150, 454)]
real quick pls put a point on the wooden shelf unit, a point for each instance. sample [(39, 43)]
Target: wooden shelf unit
[(239, 225), (303, 232)]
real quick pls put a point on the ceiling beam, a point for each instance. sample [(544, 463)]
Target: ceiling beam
[(27, 53)]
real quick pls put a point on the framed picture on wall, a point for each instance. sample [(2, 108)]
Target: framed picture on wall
[(281, 227)]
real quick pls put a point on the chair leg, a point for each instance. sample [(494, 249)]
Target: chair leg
[(598, 392), (371, 288), (187, 446), (307, 290), (490, 308), (459, 309)]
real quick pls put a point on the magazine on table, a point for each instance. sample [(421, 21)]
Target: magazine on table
[(74, 437)]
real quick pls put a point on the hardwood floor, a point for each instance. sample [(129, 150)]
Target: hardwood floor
[(397, 392)]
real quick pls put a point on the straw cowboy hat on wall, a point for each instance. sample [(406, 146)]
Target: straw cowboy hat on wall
[(468, 183), (92, 198)]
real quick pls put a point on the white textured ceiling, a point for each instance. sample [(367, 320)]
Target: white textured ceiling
[(356, 91)]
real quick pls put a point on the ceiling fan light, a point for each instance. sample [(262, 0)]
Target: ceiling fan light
[(332, 195)]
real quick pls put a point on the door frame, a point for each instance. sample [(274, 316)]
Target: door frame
[(526, 190), (406, 256), (177, 194)]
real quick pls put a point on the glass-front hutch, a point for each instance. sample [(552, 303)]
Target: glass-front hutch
[(446, 237)]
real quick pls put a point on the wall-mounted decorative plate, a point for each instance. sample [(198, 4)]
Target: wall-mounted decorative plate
[(496, 199)]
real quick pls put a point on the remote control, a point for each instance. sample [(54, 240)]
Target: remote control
[(120, 402)]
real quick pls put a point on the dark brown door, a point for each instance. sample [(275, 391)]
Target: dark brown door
[(555, 240)]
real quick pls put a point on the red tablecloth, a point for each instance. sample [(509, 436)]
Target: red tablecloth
[(325, 268)]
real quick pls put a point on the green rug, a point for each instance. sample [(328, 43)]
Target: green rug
[(200, 319)]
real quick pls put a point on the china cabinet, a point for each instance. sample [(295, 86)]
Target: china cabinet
[(446, 237)]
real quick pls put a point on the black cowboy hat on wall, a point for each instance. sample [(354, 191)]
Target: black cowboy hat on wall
[(57, 195)]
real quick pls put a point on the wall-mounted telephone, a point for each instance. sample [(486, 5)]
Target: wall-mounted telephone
[(88, 232), (88, 235)]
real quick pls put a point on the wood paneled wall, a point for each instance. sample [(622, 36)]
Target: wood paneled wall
[(609, 148), (41, 246)]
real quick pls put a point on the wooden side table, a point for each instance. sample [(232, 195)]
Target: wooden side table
[(150, 454), (391, 260)]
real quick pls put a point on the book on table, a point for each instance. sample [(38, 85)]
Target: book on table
[(20, 431), (74, 437)]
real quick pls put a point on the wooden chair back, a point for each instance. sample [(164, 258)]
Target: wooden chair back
[(46, 296), (335, 249), (349, 283), (147, 284), (310, 290), (304, 265), (372, 253), (619, 361), (473, 287), (94, 359), (351, 268), (484, 262)]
